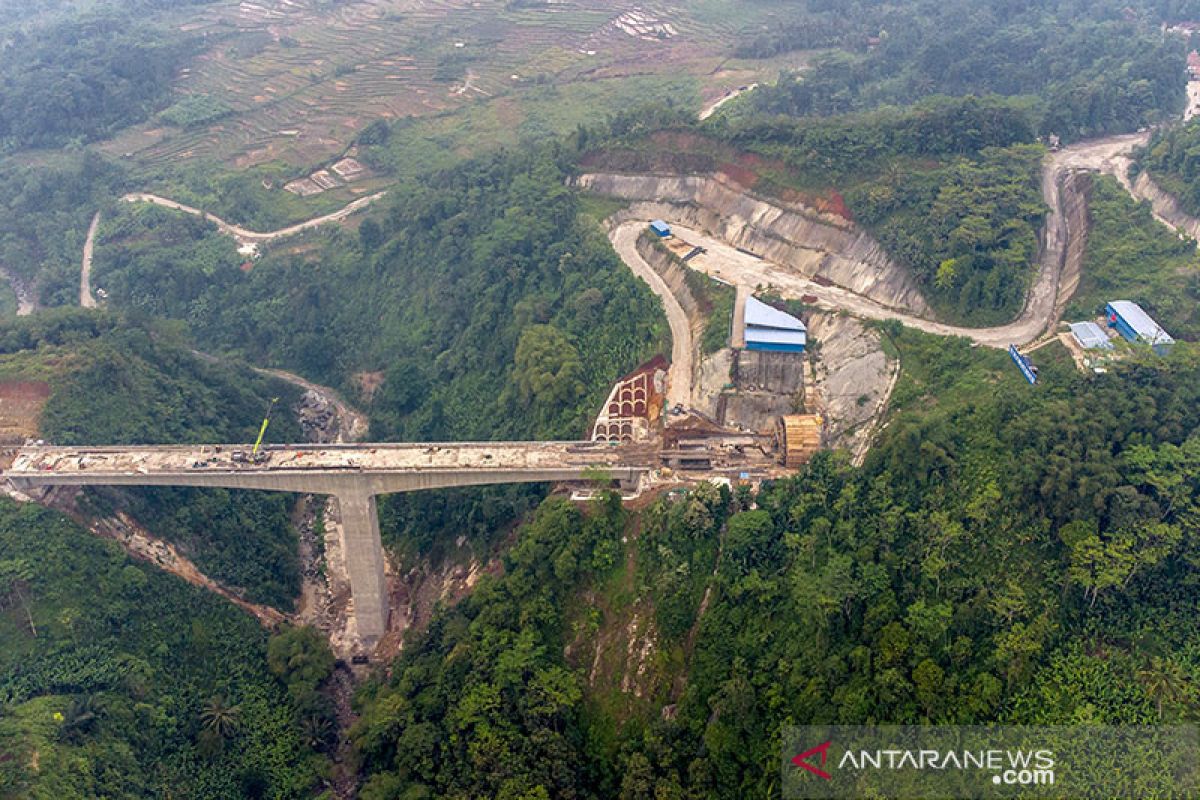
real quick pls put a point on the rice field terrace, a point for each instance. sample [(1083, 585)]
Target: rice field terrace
[(293, 81)]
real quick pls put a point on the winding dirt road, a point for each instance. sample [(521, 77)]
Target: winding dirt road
[(349, 424), (679, 377), (86, 300), (1056, 277), (732, 94), (244, 236)]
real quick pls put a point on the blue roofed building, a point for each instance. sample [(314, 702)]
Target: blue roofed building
[(1132, 322), (1090, 336), (769, 328), (661, 228)]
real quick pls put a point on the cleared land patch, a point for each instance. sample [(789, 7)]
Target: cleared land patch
[(21, 404)]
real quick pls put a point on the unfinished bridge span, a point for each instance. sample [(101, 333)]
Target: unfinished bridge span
[(353, 474)]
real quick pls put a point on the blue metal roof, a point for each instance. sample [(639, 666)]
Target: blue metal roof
[(660, 227), (1140, 322), (761, 315), (1090, 336)]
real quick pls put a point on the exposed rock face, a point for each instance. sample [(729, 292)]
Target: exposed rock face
[(675, 275), (852, 380), (1075, 192), (1165, 206), (814, 244)]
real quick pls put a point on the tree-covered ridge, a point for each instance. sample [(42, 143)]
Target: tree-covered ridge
[(997, 558), (968, 230), (951, 187), (133, 382), (1173, 160), (83, 77), (1093, 68), (491, 308), (484, 706), (857, 145), (1132, 256), (117, 680), (120, 382), (44, 215)]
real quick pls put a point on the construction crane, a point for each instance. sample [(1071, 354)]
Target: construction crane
[(263, 430)]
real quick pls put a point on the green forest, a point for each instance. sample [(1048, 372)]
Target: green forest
[(1133, 256), (951, 187), (491, 307), (116, 679), (914, 590), (44, 217), (1171, 159), (137, 685), (116, 381), (83, 77), (1088, 68), (1006, 553), (968, 230)]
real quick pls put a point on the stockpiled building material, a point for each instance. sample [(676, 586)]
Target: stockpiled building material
[(797, 438)]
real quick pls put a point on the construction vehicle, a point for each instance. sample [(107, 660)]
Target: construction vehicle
[(255, 455)]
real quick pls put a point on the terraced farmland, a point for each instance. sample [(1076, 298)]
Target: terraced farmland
[(303, 79)]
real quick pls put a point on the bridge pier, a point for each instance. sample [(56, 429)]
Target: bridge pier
[(353, 474), (363, 551)]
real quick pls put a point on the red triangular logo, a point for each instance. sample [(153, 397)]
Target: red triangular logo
[(802, 760)]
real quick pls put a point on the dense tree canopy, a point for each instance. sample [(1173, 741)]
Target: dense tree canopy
[(1093, 68), (118, 680), (951, 580), (115, 381), (84, 77), (968, 230), (1173, 160)]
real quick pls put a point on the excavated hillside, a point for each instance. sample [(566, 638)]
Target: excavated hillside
[(815, 244), (1166, 207), (1075, 192)]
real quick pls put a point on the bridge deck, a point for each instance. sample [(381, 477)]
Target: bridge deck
[(408, 457)]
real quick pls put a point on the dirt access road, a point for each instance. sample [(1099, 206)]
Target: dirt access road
[(244, 236), (240, 234), (712, 107), (679, 377), (86, 300), (1057, 273)]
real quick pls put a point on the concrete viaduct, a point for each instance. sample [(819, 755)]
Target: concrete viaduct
[(353, 474)]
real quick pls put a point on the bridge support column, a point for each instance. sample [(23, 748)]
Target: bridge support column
[(363, 550)]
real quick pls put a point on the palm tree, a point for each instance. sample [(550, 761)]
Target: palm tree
[(318, 731), (79, 718), (1164, 681), (219, 718)]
